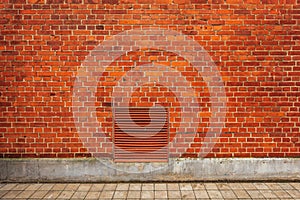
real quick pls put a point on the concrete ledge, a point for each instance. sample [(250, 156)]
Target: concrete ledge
[(204, 169)]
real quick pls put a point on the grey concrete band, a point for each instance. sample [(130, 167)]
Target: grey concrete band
[(93, 170)]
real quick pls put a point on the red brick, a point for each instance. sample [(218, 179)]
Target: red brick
[(256, 50)]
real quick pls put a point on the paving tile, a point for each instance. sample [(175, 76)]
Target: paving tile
[(59, 186), (8, 186), (269, 194), (67, 194), (98, 187), (185, 186), (273, 186), (148, 186), (134, 194), (174, 194), (201, 194), (281, 194), (296, 185), (223, 186), (84, 187), (261, 186), (135, 186), (241, 194), (39, 194), (52, 194), (255, 194), (46, 187), (72, 187), (34, 186), (235, 185), (173, 186), (214, 194), (286, 186), (3, 192), (122, 186), (160, 186), (198, 186), (187, 194), (21, 186), (25, 194), (11, 194), (79, 195), (106, 194), (92, 195), (120, 194), (110, 186), (147, 194), (248, 186), (161, 194), (228, 194), (294, 193), (210, 186)]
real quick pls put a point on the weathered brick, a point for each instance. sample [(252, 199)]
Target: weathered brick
[(255, 47)]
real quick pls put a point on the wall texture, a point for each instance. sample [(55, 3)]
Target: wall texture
[(254, 44)]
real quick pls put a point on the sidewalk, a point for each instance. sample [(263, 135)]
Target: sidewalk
[(249, 190)]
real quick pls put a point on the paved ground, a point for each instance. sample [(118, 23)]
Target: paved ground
[(253, 190)]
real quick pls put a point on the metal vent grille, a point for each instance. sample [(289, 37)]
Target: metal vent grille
[(141, 134)]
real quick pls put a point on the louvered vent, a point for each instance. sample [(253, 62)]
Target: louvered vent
[(141, 134)]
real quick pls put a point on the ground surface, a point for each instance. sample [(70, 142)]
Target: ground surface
[(249, 190)]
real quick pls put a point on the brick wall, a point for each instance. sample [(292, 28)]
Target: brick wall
[(254, 44)]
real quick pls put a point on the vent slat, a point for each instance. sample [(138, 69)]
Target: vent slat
[(135, 142)]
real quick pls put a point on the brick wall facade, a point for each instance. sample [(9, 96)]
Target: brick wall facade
[(254, 44)]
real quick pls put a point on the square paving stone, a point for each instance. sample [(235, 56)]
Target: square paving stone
[(25, 194), (214, 194), (228, 194), (185, 186), (148, 186), (174, 194), (201, 194), (160, 186), (84, 187), (97, 187), (211, 186), (134, 194), (147, 194), (187, 194), (59, 187), (122, 186), (135, 186), (38, 194), (72, 187), (92, 195), (161, 194), (106, 194), (79, 195), (34, 186), (120, 194), (8, 186), (11, 194), (241, 194), (173, 186), (110, 186), (198, 186)]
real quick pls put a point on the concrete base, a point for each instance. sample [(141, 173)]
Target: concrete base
[(204, 169)]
